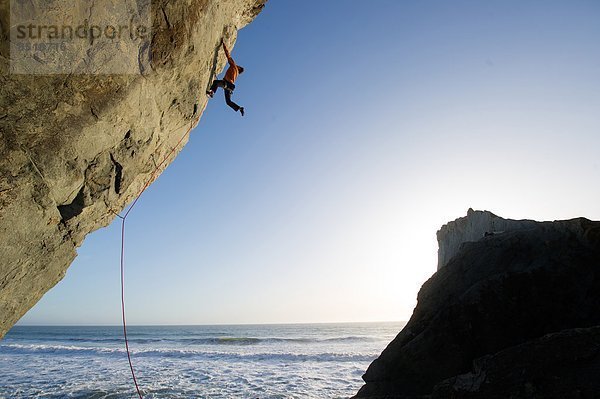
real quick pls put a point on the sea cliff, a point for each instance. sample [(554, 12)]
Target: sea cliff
[(511, 313)]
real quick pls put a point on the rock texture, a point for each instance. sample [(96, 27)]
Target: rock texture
[(472, 227), (496, 303), (558, 365), (77, 148)]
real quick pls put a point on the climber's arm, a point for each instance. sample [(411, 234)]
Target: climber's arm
[(229, 59)]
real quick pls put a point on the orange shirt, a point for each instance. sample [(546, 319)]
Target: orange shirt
[(232, 72)]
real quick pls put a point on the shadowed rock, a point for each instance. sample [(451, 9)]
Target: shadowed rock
[(558, 365), (496, 293)]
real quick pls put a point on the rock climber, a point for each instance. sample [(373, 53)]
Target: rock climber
[(227, 83)]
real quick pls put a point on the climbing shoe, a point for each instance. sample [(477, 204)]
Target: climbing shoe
[(210, 93), (242, 111)]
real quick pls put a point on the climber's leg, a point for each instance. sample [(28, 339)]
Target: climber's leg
[(233, 105), (216, 84)]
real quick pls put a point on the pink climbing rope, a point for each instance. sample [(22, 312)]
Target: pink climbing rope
[(123, 220)]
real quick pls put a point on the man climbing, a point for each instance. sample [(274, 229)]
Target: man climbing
[(227, 83)]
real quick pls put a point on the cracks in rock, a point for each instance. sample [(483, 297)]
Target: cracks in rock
[(153, 161), (165, 17), (213, 68), (143, 54), (102, 174), (65, 82), (118, 174), (34, 165), (67, 234), (129, 144), (93, 111), (73, 209)]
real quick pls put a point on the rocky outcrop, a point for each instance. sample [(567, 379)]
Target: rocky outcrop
[(497, 302), (77, 147), (558, 365), (474, 226)]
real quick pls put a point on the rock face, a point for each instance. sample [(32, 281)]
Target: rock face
[(76, 148), (559, 365), (513, 314), (472, 227)]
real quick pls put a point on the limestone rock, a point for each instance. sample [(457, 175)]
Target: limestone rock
[(495, 294), (76, 148)]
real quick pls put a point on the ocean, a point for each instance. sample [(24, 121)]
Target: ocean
[(244, 361)]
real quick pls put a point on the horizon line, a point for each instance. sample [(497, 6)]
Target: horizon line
[(209, 324)]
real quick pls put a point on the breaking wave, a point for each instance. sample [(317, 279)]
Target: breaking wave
[(184, 353)]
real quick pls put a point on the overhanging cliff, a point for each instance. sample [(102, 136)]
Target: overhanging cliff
[(75, 148)]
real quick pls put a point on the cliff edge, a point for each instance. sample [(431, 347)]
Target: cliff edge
[(77, 147), (473, 227), (510, 314)]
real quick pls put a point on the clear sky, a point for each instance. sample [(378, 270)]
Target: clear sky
[(368, 126)]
